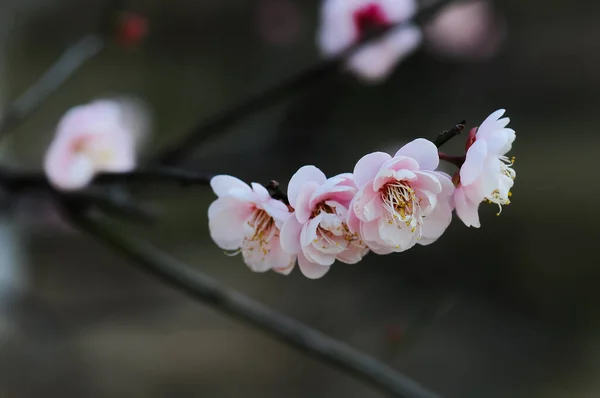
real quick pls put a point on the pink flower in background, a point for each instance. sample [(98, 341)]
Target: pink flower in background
[(401, 199), (486, 173), (317, 231), (345, 22), (97, 137), (469, 29), (247, 220)]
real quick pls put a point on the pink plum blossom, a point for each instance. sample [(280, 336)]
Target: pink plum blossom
[(317, 231), (97, 137), (486, 173), (247, 220), (466, 30), (345, 22), (401, 200)]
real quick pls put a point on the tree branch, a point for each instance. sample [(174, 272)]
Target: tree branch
[(224, 299), (177, 152), (65, 67), (447, 135)]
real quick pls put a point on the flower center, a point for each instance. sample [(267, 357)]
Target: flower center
[(368, 19), (334, 234), (498, 196), (263, 230), (401, 202), (99, 155)]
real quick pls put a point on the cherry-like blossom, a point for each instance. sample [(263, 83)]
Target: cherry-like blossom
[(487, 172), (317, 231), (469, 30), (345, 22), (98, 137), (245, 219), (402, 199)]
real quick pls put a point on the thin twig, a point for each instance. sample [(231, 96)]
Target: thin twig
[(65, 67), (177, 152), (447, 135), (224, 299)]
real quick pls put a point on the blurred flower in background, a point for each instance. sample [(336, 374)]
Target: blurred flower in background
[(101, 136), (345, 22), (470, 30)]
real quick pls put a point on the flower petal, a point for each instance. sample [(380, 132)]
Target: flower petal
[(302, 209), (222, 184), (277, 258), (226, 223), (423, 151), (304, 175), (311, 270), (367, 167), (466, 210), (290, 235), (436, 223), (473, 166)]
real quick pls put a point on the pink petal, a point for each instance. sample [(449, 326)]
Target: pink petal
[(446, 182), (398, 239), (226, 225), (314, 255), (366, 203), (423, 151), (278, 210), (466, 210), (290, 235), (339, 193), (309, 231), (427, 181), (436, 223), (222, 184), (277, 258), (311, 270), (473, 165), (304, 175), (302, 208), (352, 221), (367, 167), (261, 192), (76, 174), (287, 270)]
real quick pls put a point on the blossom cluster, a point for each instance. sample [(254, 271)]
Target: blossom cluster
[(387, 204), (466, 30)]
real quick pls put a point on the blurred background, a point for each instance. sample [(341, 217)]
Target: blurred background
[(509, 310)]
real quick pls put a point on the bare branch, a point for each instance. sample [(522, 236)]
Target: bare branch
[(226, 300), (206, 129), (65, 67)]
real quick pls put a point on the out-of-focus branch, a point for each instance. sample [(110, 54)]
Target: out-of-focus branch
[(178, 152), (224, 299), (14, 180), (65, 67)]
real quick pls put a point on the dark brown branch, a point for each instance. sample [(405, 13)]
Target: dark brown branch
[(178, 152), (64, 68), (447, 135), (226, 300)]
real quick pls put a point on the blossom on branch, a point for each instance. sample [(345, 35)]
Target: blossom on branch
[(98, 137), (245, 219), (487, 172), (346, 22), (402, 199), (317, 231)]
